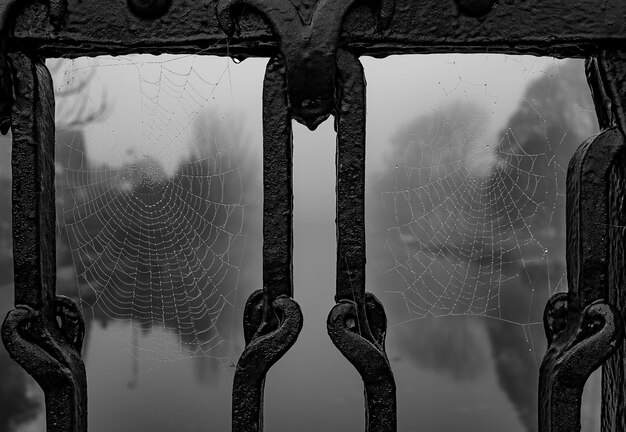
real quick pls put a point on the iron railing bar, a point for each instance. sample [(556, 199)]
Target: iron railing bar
[(44, 333), (549, 27), (357, 324), (272, 319), (584, 327), (277, 187)]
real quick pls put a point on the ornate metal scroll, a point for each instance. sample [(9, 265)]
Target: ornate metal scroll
[(584, 327), (357, 324), (272, 319), (44, 333), (308, 49)]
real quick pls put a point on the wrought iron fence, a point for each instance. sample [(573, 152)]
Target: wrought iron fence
[(314, 72)]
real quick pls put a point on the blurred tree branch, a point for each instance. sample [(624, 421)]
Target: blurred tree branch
[(74, 104)]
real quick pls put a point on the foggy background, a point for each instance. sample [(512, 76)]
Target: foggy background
[(159, 209)]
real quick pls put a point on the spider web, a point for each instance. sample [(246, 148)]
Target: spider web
[(466, 215), (152, 201), (472, 214), (467, 207)]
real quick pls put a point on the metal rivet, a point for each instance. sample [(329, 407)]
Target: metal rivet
[(351, 323)]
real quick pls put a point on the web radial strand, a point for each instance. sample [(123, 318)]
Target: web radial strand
[(152, 195), (473, 220)]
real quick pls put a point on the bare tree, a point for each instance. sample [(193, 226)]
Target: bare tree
[(74, 105)]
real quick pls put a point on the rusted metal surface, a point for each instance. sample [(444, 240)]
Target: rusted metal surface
[(547, 27), (44, 333), (272, 319), (357, 324), (584, 327)]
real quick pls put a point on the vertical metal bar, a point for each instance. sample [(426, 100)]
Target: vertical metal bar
[(350, 163), (44, 333), (614, 370), (583, 327), (607, 76), (357, 324), (277, 185), (272, 319)]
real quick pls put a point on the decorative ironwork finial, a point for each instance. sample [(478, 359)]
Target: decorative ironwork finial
[(307, 49)]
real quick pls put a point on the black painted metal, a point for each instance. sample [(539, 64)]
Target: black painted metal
[(310, 77), (313, 91), (149, 9), (44, 333), (578, 343), (607, 76), (475, 8), (277, 184), (272, 319), (584, 327), (308, 49), (546, 27), (357, 324), (8, 10)]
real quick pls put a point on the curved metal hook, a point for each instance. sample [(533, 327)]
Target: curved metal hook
[(272, 320), (368, 357), (51, 355), (71, 322), (579, 343), (582, 327), (259, 356), (475, 8)]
